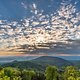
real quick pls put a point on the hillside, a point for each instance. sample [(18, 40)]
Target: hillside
[(45, 60), (76, 63), (39, 63)]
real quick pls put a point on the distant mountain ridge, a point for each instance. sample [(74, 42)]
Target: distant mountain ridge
[(51, 61), (39, 63)]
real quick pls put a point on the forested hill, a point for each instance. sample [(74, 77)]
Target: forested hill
[(39, 63)]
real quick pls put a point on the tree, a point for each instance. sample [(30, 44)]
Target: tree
[(17, 78), (51, 73), (78, 78), (71, 78), (12, 73), (1, 73), (28, 74), (39, 76), (5, 78), (70, 73)]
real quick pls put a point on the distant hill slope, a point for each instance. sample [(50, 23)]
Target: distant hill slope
[(76, 63), (48, 60), (39, 63)]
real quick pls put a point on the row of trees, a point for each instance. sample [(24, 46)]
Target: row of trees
[(69, 73), (51, 73)]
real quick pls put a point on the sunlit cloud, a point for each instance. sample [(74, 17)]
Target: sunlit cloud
[(42, 28)]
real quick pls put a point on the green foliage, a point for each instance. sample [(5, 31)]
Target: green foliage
[(71, 73), (17, 78), (28, 74), (51, 73), (39, 76), (5, 78), (10, 74), (71, 78), (78, 78)]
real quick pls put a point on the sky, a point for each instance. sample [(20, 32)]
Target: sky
[(18, 9), (21, 18)]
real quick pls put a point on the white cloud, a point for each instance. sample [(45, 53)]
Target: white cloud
[(24, 5), (57, 21), (34, 6)]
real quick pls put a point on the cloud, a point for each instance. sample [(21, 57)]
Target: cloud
[(34, 6), (24, 5), (63, 26)]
